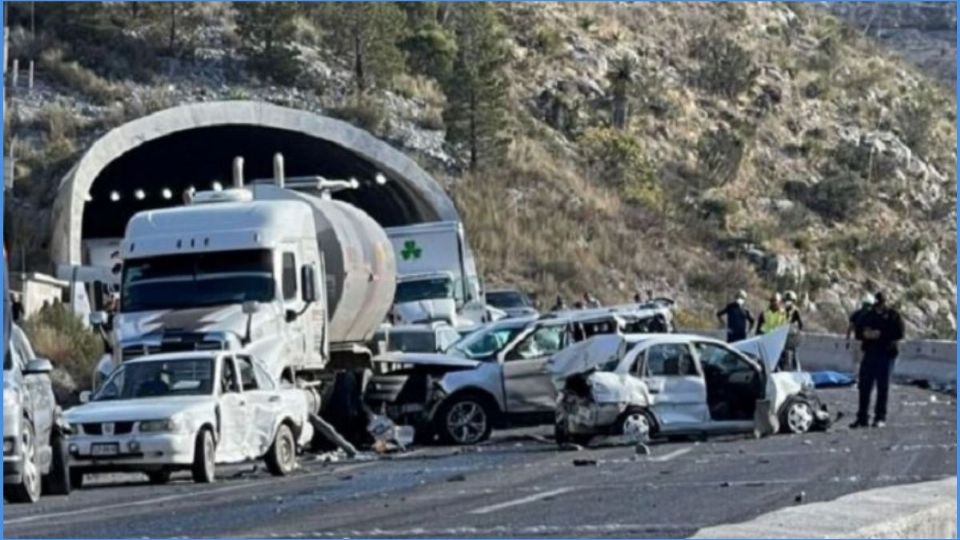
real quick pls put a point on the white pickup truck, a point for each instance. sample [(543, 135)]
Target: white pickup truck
[(188, 411)]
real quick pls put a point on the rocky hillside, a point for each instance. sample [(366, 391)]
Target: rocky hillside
[(688, 149)]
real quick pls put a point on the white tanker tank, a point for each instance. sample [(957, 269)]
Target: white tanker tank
[(358, 259)]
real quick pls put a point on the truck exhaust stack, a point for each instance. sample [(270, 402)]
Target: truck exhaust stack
[(238, 172), (278, 178)]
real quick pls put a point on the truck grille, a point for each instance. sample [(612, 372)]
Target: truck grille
[(119, 428)]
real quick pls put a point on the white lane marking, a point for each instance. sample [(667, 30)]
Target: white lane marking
[(671, 455), (522, 500), (176, 496)]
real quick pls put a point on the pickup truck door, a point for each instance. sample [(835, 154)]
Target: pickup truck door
[(264, 407), (675, 384), (526, 383), (234, 415)]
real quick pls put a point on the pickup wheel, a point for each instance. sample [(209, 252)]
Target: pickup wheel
[(159, 477), (203, 458), (28, 490), (57, 481), (465, 419), (281, 458)]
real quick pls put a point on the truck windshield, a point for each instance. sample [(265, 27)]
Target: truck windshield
[(485, 343), (423, 289), (181, 377), (197, 280), (507, 299)]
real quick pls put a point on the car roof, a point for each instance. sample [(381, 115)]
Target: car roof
[(414, 328), (670, 338), (180, 355)]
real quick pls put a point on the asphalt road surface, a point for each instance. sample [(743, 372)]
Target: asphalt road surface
[(519, 484)]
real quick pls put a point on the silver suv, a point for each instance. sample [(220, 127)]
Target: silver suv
[(34, 433)]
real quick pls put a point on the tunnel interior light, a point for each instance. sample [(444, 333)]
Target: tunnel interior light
[(380, 179), (114, 196), (139, 194), (88, 197), (217, 186), (167, 194)]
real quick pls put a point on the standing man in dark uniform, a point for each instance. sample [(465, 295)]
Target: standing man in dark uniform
[(739, 320), (879, 329)]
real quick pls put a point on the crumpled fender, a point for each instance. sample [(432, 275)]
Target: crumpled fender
[(618, 388)]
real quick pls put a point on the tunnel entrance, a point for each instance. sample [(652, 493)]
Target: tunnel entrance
[(147, 163), (155, 174)]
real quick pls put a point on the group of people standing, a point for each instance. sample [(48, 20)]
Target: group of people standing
[(877, 326)]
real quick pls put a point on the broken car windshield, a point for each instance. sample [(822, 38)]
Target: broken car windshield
[(423, 289), (507, 299), (485, 343), (197, 280)]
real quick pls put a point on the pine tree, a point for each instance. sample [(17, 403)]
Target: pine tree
[(266, 29), (476, 113), (367, 34)]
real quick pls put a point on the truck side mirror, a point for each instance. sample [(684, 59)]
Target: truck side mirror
[(309, 281), (98, 318), (290, 316), (250, 307), (38, 366)]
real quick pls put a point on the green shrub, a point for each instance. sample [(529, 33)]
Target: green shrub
[(59, 335), (366, 113), (726, 68), (838, 197), (719, 155), (549, 41), (618, 158), (915, 119), (75, 77), (431, 51)]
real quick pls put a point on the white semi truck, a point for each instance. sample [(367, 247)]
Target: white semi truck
[(436, 276), (278, 270)]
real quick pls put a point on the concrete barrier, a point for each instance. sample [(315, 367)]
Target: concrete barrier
[(925, 510), (928, 359)]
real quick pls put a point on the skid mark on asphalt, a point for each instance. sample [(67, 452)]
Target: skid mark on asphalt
[(175, 497), (670, 455), (518, 502)]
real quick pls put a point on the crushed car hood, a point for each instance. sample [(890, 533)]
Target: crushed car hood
[(135, 409), (585, 356), (766, 348), (428, 359), (426, 310)]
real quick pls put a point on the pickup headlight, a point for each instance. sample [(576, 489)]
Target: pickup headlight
[(167, 425)]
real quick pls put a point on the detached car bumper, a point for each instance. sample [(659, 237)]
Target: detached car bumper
[(131, 452)]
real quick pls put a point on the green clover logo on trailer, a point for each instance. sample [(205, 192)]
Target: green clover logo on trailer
[(410, 250)]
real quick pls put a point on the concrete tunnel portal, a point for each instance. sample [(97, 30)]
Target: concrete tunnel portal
[(149, 162)]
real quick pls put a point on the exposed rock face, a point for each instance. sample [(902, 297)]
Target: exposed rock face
[(923, 32)]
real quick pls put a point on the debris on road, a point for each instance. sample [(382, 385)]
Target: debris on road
[(331, 434), (642, 449), (584, 462), (388, 436), (457, 478), (800, 497)]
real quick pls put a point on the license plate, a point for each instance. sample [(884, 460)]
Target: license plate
[(108, 449)]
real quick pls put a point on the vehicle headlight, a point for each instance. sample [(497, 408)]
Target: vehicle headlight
[(166, 425)]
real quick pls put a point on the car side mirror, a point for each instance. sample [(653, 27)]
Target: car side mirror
[(309, 281), (84, 396), (38, 366), (290, 316), (98, 318)]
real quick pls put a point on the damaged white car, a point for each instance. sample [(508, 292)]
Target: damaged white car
[(643, 386), (188, 411)]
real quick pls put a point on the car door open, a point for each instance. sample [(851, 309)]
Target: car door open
[(527, 385), (233, 413)]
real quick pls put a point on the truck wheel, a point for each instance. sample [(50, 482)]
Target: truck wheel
[(797, 416), (465, 419), (281, 459), (203, 458), (159, 477), (57, 481), (635, 424), (76, 479), (28, 490)]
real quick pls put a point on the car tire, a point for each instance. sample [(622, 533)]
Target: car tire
[(797, 416), (159, 477), (204, 454), (76, 479), (281, 458), (57, 481), (29, 488), (464, 419), (637, 424)]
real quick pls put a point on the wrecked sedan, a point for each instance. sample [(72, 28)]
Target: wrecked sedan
[(642, 386), (493, 377), (188, 411)]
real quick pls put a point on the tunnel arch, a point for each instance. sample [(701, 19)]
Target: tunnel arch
[(194, 144)]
